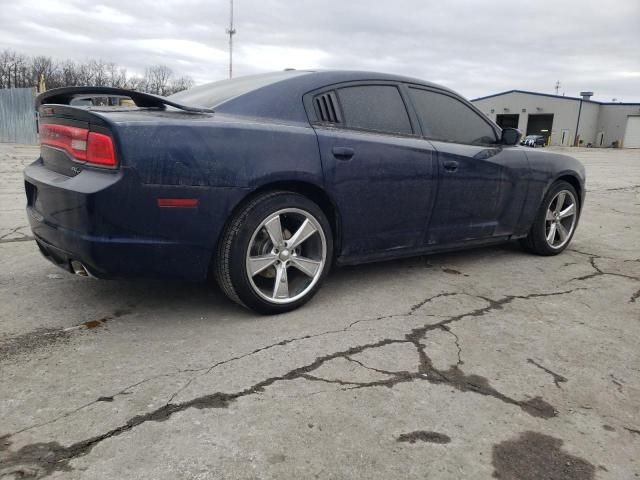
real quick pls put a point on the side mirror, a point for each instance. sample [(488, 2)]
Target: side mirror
[(510, 136)]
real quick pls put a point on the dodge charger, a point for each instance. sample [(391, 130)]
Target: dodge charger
[(265, 182)]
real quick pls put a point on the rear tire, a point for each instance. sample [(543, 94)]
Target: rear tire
[(274, 253), (556, 221)]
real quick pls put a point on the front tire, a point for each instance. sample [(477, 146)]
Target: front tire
[(555, 222), (275, 253)]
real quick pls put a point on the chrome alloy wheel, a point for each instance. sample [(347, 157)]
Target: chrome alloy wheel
[(286, 255), (560, 219)]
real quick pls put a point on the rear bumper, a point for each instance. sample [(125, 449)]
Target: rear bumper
[(106, 257), (112, 224)]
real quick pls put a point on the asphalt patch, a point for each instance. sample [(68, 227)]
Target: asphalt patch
[(31, 341), (40, 338), (424, 436), (535, 456)]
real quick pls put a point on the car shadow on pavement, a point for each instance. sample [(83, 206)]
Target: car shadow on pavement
[(207, 297)]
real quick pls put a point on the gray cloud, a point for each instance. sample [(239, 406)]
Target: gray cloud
[(474, 47)]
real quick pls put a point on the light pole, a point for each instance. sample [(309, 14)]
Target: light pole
[(231, 32)]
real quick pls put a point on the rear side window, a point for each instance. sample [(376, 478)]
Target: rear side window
[(445, 118), (375, 107)]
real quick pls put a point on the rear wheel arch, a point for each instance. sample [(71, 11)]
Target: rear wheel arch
[(313, 192)]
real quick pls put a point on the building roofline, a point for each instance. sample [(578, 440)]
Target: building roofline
[(628, 104), (527, 92)]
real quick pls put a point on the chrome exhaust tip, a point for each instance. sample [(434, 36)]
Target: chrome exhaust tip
[(79, 269)]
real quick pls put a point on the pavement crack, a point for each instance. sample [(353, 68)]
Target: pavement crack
[(618, 189), (207, 370), (49, 457), (281, 343), (557, 379), (617, 382), (337, 381), (597, 270), (14, 231), (363, 365), (411, 311), (447, 329), (19, 239), (421, 304), (124, 391)]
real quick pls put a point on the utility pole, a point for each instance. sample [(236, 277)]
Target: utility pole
[(557, 86), (231, 32)]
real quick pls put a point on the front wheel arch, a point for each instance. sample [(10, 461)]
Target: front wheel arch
[(536, 240), (574, 182)]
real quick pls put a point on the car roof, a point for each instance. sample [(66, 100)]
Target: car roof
[(339, 76), (278, 95)]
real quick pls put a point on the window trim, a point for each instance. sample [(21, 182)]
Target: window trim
[(497, 131), (309, 97)]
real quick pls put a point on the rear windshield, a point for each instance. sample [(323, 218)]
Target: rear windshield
[(212, 94)]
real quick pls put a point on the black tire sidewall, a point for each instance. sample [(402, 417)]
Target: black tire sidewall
[(240, 244)]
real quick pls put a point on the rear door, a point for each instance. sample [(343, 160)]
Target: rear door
[(482, 184), (377, 169)]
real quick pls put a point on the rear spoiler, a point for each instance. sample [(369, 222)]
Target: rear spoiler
[(64, 95)]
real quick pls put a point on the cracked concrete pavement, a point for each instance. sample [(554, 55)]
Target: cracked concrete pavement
[(477, 364)]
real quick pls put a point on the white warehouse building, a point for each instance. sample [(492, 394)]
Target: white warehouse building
[(598, 124)]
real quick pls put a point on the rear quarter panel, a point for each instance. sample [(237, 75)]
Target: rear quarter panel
[(218, 161), (219, 152)]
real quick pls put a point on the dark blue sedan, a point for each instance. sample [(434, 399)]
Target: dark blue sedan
[(264, 182)]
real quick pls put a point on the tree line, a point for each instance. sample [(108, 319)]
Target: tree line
[(19, 71)]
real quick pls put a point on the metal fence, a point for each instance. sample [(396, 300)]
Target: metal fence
[(18, 116)]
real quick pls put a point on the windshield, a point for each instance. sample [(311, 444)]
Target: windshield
[(212, 94)]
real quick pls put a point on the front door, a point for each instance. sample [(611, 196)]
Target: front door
[(482, 185), (481, 193)]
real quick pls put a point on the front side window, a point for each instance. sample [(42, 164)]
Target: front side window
[(448, 119), (375, 107)]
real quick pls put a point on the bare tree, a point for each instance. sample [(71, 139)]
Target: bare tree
[(98, 69), (179, 84), (157, 79), (116, 76), (68, 75), (137, 83), (13, 70), (42, 67), (5, 62), (17, 70)]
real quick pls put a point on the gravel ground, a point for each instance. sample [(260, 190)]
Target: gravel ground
[(479, 364)]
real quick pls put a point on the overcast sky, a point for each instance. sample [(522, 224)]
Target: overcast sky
[(475, 47)]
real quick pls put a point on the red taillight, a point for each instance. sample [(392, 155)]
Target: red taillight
[(92, 147), (71, 139), (100, 150)]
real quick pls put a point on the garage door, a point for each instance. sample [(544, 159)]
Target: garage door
[(632, 134)]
